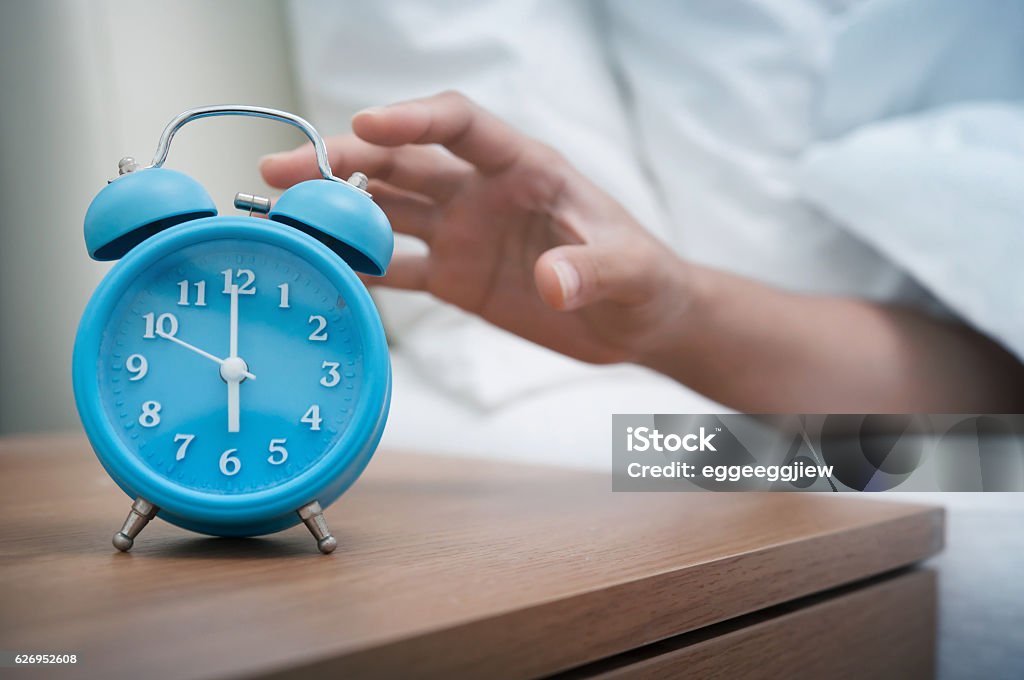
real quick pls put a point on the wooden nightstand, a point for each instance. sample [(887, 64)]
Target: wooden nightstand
[(452, 567)]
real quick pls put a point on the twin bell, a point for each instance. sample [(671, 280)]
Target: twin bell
[(141, 202)]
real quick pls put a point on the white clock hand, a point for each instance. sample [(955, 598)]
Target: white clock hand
[(233, 407), (233, 384), (198, 351), (233, 330)]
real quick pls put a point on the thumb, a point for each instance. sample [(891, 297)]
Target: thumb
[(570, 277), (286, 168)]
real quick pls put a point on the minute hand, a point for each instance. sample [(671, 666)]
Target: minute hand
[(233, 409), (233, 324), (198, 351)]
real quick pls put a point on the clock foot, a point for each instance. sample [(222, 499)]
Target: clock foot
[(312, 516), (142, 511)]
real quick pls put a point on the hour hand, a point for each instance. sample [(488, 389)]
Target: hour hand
[(202, 353)]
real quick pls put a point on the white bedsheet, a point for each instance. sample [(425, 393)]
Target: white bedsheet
[(568, 425)]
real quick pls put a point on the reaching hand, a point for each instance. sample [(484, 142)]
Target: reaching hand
[(521, 238), (515, 233)]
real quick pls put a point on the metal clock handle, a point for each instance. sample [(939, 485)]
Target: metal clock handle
[(164, 145)]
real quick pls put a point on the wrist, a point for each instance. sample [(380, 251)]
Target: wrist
[(686, 298)]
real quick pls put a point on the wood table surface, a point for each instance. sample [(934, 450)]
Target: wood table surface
[(445, 567)]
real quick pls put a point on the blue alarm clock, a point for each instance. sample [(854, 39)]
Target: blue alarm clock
[(232, 372)]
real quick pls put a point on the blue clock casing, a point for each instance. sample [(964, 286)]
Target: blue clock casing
[(232, 373)]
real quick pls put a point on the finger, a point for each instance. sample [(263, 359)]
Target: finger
[(406, 272), (428, 171), (408, 213), (285, 168), (571, 277), (449, 119)]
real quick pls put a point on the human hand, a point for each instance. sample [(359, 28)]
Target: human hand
[(520, 237), (515, 233)]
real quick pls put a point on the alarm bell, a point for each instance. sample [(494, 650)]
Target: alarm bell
[(143, 202), (138, 205), (343, 217)]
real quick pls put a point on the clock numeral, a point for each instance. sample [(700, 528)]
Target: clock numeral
[(284, 296), (333, 377), (313, 418), (277, 447), (320, 334), (137, 366), (185, 440), (200, 293), (246, 288), (165, 324), (150, 416), (230, 465)]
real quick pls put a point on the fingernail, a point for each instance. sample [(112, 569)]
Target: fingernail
[(272, 157), (568, 279), (373, 110)]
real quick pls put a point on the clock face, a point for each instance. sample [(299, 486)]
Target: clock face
[(230, 366)]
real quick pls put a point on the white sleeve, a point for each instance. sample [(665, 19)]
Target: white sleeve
[(941, 194)]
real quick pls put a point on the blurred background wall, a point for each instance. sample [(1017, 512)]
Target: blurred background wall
[(83, 84)]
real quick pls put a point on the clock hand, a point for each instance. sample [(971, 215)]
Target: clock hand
[(233, 391), (198, 351), (233, 330), (233, 408)]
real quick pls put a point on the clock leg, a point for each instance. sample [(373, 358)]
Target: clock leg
[(142, 511), (312, 516)]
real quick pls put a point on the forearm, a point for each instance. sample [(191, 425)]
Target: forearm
[(760, 349)]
